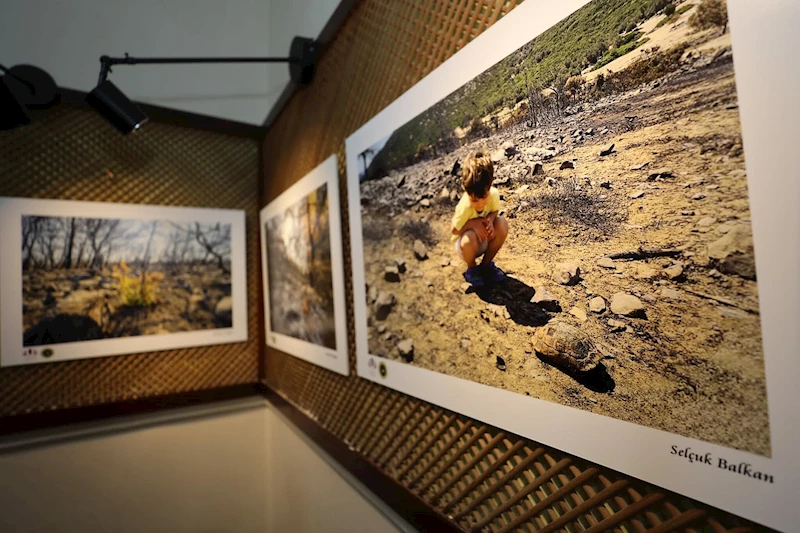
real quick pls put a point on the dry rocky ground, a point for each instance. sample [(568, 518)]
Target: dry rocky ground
[(84, 304), (675, 323)]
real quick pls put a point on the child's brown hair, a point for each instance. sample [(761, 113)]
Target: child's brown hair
[(478, 174)]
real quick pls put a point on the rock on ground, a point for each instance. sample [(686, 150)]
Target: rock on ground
[(627, 305), (406, 349), (545, 300), (420, 250), (391, 273), (224, 309), (597, 304), (578, 313), (733, 252), (606, 262), (567, 273), (383, 305)]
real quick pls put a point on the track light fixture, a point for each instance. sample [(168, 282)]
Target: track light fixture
[(126, 116), (24, 87)]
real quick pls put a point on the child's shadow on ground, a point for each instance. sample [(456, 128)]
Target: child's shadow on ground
[(516, 297)]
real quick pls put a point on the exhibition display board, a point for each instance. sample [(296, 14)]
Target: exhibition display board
[(472, 472), (628, 326), (303, 270)]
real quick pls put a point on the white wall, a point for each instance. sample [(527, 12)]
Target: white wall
[(243, 470), (67, 38)]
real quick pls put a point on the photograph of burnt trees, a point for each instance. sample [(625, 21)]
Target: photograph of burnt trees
[(631, 292), (299, 271), (98, 278)]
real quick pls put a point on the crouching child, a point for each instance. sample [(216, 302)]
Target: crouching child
[(478, 229)]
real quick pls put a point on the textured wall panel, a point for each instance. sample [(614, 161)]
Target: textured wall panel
[(71, 153)]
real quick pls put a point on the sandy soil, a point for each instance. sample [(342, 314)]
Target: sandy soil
[(84, 304), (693, 366)]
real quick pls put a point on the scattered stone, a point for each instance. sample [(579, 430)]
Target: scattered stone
[(566, 346), (372, 294), (649, 298), (606, 262), (567, 273), (425, 202), (445, 194), (578, 313), (445, 262), (465, 287), (550, 182), (383, 305), (590, 131), (663, 173), (509, 148), (732, 312), (616, 325), (498, 155), (674, 272), (635, 195), (391, 273), (537, 169), (738, 174), (456, 170), (428, 283), (671, 294), (597, 304), (687, 213), (466, 343), (698, 196), (714, 273), (224, 310), (501, 364), (406, 349), (627, 305), (454, 195), (706, 222), (401, 264), (401, 181), (567, 165), (641, 167), (420, 251), (712, 187), (629, 329), (644, 271), (544, 299), (607, 151), (521, 189), (733, 252), (605, 184), (381, 328), (387, 336)]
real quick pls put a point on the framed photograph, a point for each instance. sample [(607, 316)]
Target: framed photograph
[(301, 254), (558, 230), (91, 279)]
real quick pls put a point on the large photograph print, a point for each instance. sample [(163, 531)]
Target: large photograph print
[(569, 226), (302, 261), (103, 279)]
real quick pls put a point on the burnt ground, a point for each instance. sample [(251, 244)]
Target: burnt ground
[(693, 365), (84, 304)]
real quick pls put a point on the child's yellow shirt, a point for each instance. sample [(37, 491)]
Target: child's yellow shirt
[(465, 212)]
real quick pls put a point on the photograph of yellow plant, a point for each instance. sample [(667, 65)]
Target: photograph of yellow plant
[(97, 278)]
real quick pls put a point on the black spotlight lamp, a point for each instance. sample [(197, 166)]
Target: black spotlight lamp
[(127, 117), (24, 87)]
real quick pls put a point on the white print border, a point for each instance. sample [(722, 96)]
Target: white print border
[(766, 71), (336, 360), (11, 331)]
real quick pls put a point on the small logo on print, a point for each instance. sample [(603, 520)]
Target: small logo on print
[(30, 351), (371, 363), (47, 353), (382, 370)]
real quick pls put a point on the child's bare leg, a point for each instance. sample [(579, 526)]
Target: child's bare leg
[(469, 247), (500, 234)]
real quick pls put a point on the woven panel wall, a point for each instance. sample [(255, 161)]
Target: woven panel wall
[(72, 153), (479, 476)]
